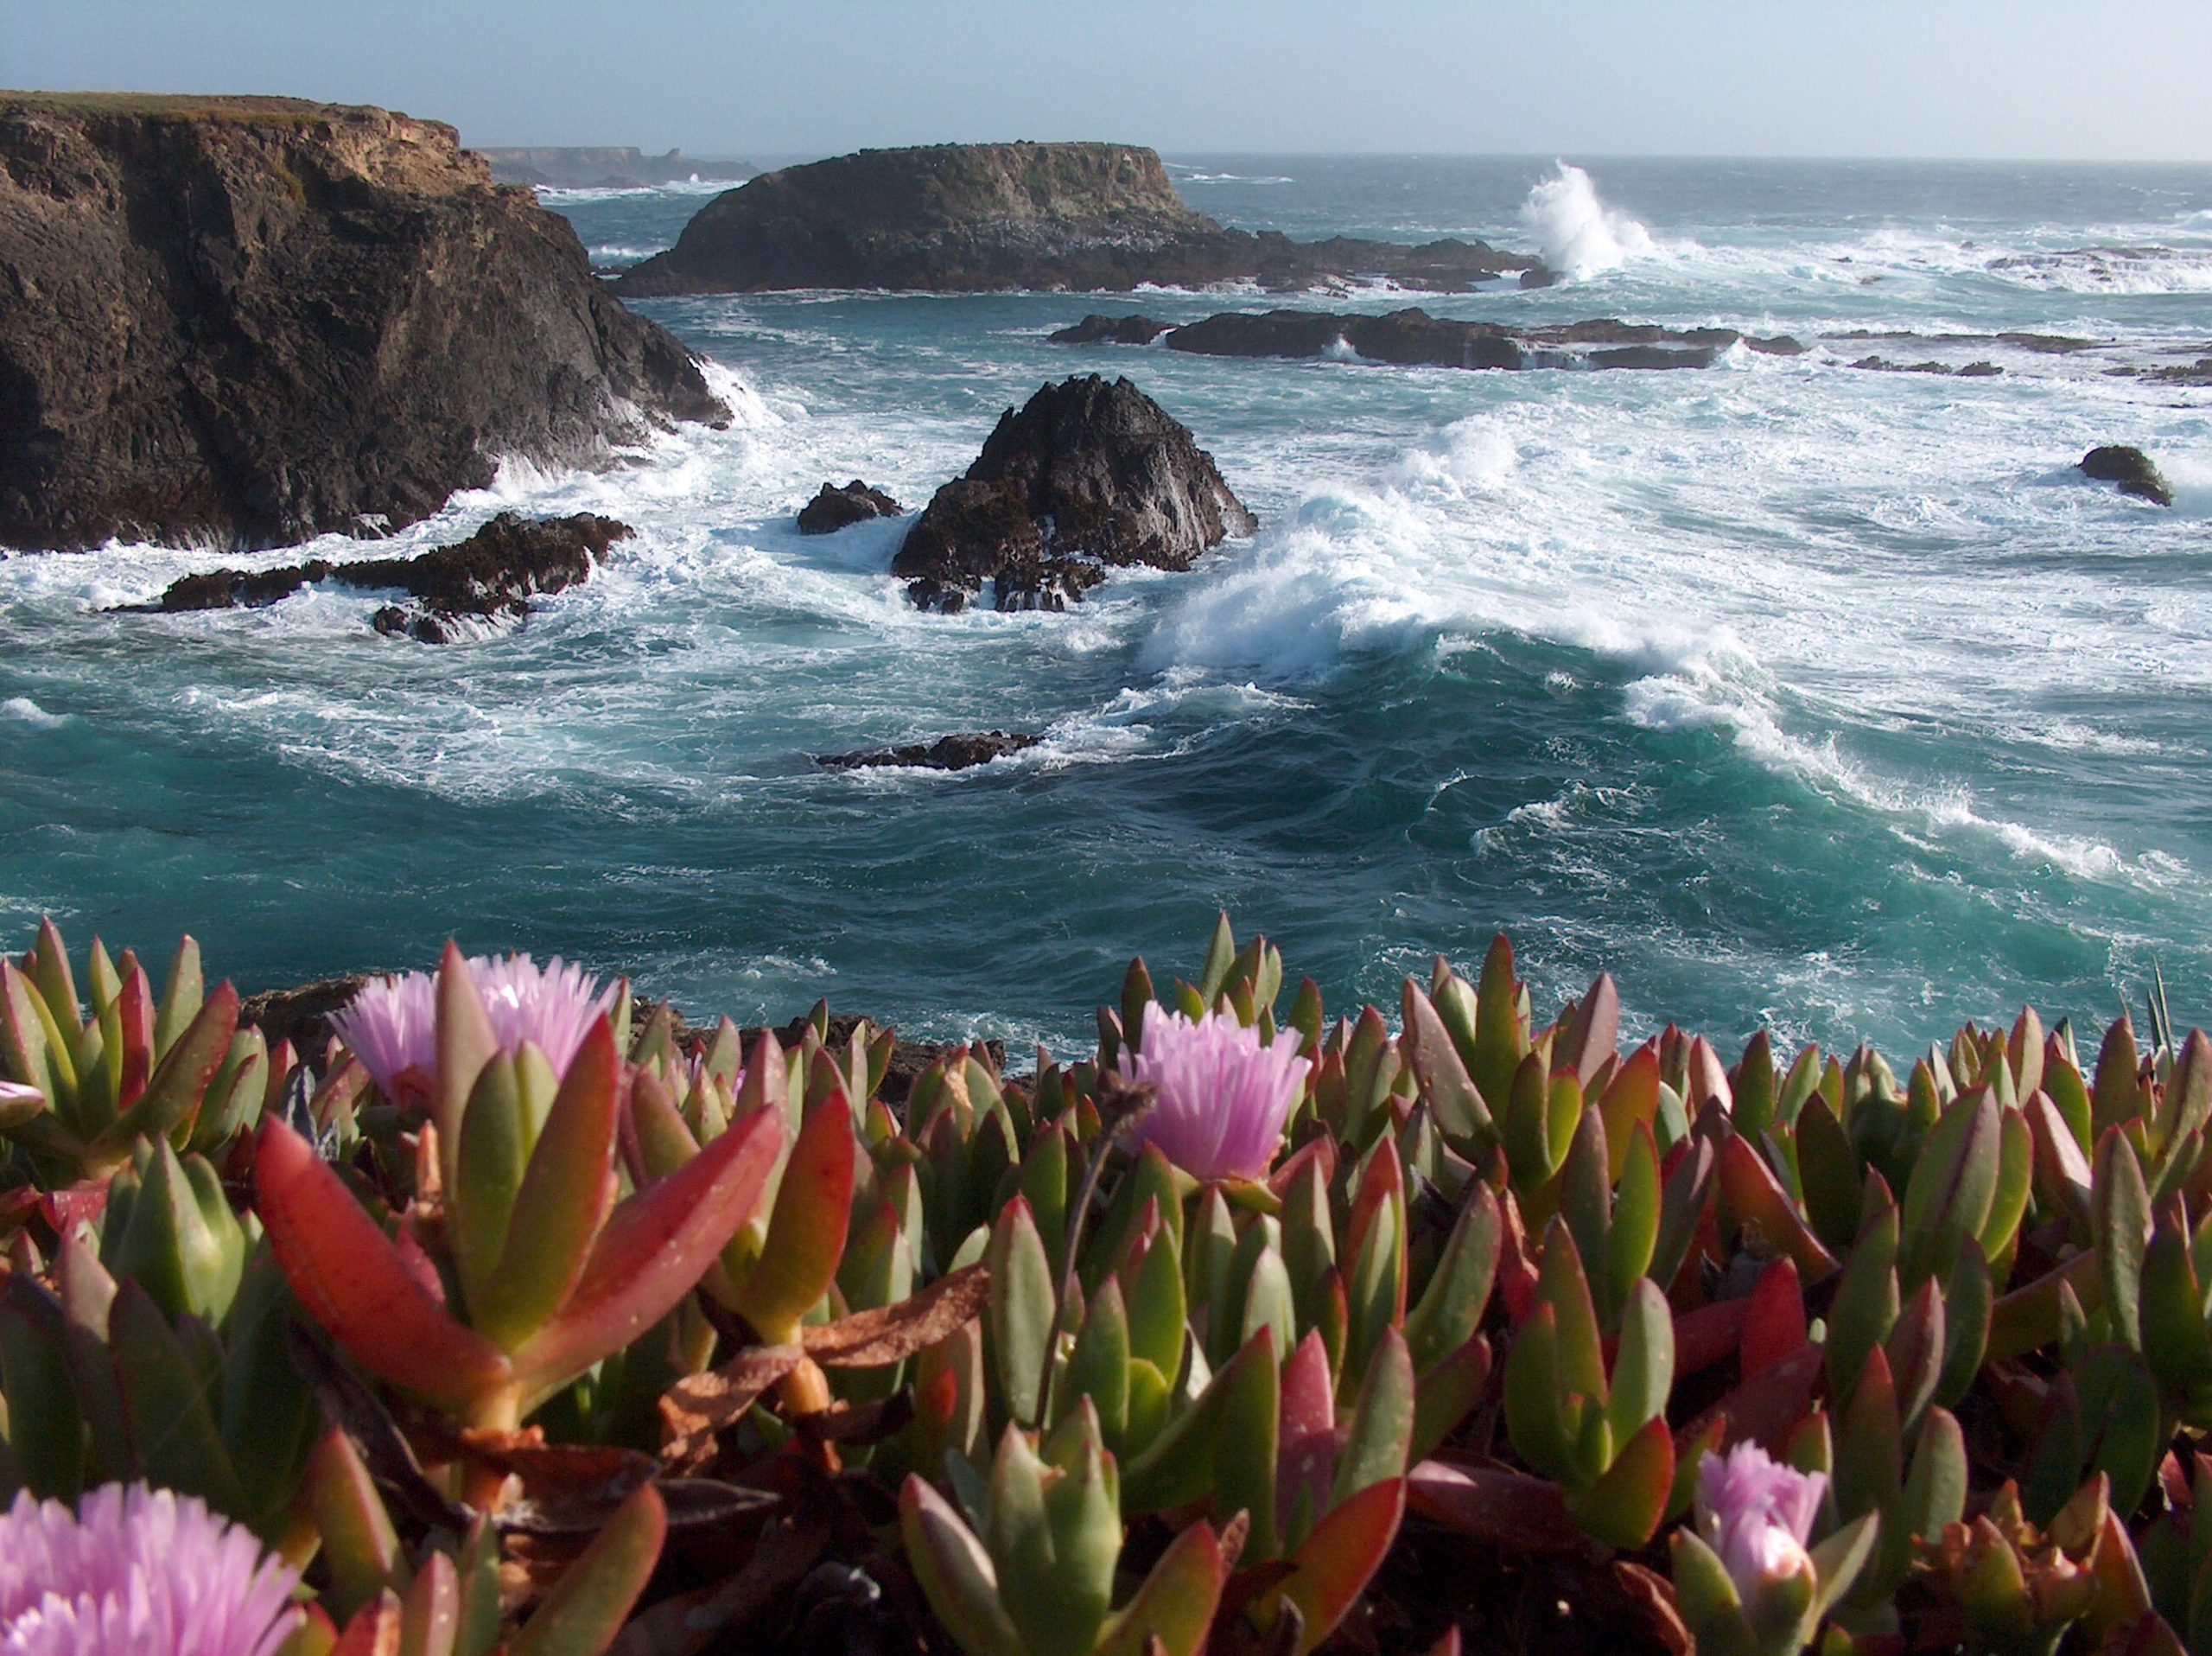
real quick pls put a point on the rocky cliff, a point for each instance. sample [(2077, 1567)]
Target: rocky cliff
[(250, 321), (985, 217)]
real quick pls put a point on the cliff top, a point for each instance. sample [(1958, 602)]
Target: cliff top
[(944, 184), (234, 110)]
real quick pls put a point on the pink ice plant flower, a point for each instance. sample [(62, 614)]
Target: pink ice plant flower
[(138, 1571), (391, 1025), (1757, 1513), (1221, 1092)]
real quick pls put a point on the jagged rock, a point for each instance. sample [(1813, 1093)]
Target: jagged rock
[(301, 1016), (963, 218), (836, 508), (492, 574), (1088, 475), (1096, 329), (252, 320), (2129, 468), (946, 753), (1412, 337)]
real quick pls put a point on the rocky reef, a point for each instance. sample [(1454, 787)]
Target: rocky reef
[(984, 217), (842, 505), (491, 576), (252, 320), (1088, 475), (961, 752), (1412, 337), (2131, 468)]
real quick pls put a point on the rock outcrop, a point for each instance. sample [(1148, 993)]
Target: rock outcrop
[(491, 576), (961, 218), (1412, 337), (1088, 475), (252, 320), (961, 752), (2129, 468), (839, 508)]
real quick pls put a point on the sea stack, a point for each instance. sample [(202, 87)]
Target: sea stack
[(1088, 475), (976, 218), (250, 321)]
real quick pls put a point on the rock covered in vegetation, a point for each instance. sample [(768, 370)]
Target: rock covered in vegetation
[(957, 218), (253, 321), (1088, 475), (840, 506), (2129, 468), (960, 752), (492, 574), (1412, 337)]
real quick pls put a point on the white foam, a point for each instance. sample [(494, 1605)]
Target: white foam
[(29, 711), (1578, 234)]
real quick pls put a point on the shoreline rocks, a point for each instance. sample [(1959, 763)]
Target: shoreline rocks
[(2129, 468), (1088, 475), (970, 218), (840, 507), (1414, 338), (961, 752), (252, 320), (492, 575)]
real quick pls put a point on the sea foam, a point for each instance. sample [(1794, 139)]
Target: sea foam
[(1578, 234)]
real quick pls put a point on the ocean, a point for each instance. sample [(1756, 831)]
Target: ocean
[(1796, 694)]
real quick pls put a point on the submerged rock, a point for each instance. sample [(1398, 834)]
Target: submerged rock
[(965, 218), (2129, 468), (256, 320), (946, 753), (1096, 329), (492, 574), (1088, 475), (1412, 337), (839, 508)]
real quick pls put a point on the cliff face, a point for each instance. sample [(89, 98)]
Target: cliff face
[(250, 321), (985, 217)]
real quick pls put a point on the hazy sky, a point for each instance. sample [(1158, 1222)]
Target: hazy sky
[(2087, 78)]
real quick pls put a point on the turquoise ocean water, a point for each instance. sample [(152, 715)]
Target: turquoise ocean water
[(1793, 693)]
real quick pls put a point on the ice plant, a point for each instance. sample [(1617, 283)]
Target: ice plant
[(392, 1024), (1222, 1092), (134, 1571), (1747, 1583)]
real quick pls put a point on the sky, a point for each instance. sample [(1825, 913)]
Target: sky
[(2120, 80)]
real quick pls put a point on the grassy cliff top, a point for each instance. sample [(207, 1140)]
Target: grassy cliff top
[(226, 109)]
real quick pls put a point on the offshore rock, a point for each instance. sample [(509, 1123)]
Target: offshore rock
[(2129, 468), (1096, 329), (968, 218), (837, 507), (492, 574), (250, 321), (1090, 474), (602, 166), (1412, 337), (946, 753)]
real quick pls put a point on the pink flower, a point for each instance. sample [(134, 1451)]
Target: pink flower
[(391, 1025), (1221, 1092), (135, 1571), (1756, 1514)]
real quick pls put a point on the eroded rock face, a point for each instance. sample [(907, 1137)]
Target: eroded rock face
[(253, 321), (840, 507), (970, 218), (2129, 468), (947, 753), (491, 576), (1412, 337), (1088, 475)]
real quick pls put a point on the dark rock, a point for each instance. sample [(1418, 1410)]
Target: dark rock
[(2129, 468), (301, 1016), (946, 753), (836, 508), (2185, 373), (963, 218), (1088, 475), (1412, 337), (252, 320), (1882, 364), (1982, 369), (494, 573), (1096, 329), (1539, 276)]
